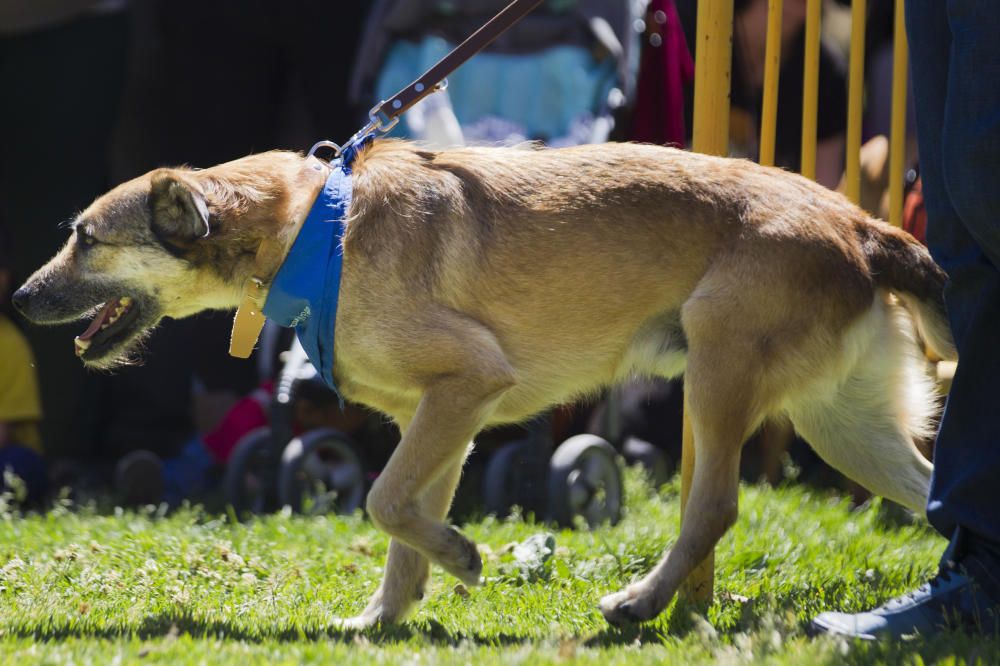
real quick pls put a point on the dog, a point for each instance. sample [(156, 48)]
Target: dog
[(481, 286)]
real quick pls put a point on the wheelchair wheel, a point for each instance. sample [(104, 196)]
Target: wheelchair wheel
[(640, 452), (249, 480), (321, 473), (585, 480), (511, 476)]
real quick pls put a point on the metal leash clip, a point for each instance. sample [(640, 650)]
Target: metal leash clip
[(379, 121)]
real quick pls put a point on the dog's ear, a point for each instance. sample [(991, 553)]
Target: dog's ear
[(178, 206)]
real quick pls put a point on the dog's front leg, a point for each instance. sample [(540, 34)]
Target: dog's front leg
[(453, 408), (406, 570)]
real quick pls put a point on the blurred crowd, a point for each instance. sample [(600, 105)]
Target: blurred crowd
[(100, 91)]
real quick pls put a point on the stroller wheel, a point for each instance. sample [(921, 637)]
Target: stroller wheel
[(321, 473), (248, 483), (514, 475), (585, 480), (653, 460)]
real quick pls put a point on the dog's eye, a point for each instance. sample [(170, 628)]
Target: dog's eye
[(84, 238)]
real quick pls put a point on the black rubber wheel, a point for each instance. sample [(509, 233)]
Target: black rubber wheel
[(249, 482), (585, 480), (514, 474), (321, 473), (640, 452)]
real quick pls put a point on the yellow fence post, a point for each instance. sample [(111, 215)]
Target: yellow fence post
[(897, 146), (810, 88), (772, 69), (712, 85), (712, 77), (855, 93)]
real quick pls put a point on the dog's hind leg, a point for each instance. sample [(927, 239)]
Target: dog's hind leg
[(722, 399), (406, 570), (866, 427)]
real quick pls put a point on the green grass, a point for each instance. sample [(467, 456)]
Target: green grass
[(189, 587)]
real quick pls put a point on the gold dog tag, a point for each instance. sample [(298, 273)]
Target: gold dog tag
[(248, 322)]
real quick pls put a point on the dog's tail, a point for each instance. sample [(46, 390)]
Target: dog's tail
[(901, 264)]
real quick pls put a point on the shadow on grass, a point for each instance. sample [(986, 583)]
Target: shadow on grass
[(682, 624), (173, 625), (686, 622), (682, 621), (948, 647)]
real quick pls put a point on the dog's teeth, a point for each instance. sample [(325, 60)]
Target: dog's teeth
[(104, 326), (81, 346)]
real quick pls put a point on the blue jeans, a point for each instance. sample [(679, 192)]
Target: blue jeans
[(27, 465), (185, 476), (955, 59)]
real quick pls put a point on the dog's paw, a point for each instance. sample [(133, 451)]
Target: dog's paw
[(382, 610), (629, 606), (463, 560), (375, 615), (366, 620)]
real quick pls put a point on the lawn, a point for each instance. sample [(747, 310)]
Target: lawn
[(79, 586)]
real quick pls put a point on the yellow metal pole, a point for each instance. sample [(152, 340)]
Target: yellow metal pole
[(772, 68), (855, 93), (810, 88), (897, 147), (713, 57), (712, 85)]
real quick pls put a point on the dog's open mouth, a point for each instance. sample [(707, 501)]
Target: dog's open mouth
[(112, 324)]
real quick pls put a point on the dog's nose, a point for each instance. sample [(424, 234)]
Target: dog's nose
[(20, 300)]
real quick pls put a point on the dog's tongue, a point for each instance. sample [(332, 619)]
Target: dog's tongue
[(105, 314)]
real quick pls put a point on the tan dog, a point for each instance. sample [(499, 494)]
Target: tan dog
[(482, 286)]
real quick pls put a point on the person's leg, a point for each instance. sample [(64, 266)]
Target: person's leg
[(964, 491), (23, 474), (186, 475), (956, 61)]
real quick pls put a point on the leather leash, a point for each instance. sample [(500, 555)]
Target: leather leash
[(383, 117), (427, 83)]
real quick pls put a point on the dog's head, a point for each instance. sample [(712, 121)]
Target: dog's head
[(128, 263)]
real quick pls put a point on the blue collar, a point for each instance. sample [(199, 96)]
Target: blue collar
[(305, 291)]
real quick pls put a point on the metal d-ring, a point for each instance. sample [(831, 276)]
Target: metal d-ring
[(337, 150)]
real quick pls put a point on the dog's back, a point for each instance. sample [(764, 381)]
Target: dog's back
[(584, 260)]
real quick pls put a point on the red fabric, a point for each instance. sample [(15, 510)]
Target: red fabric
[(664, 70), (247, 414), (914, 213)]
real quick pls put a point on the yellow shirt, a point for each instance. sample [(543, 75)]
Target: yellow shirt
[(20, 405)]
